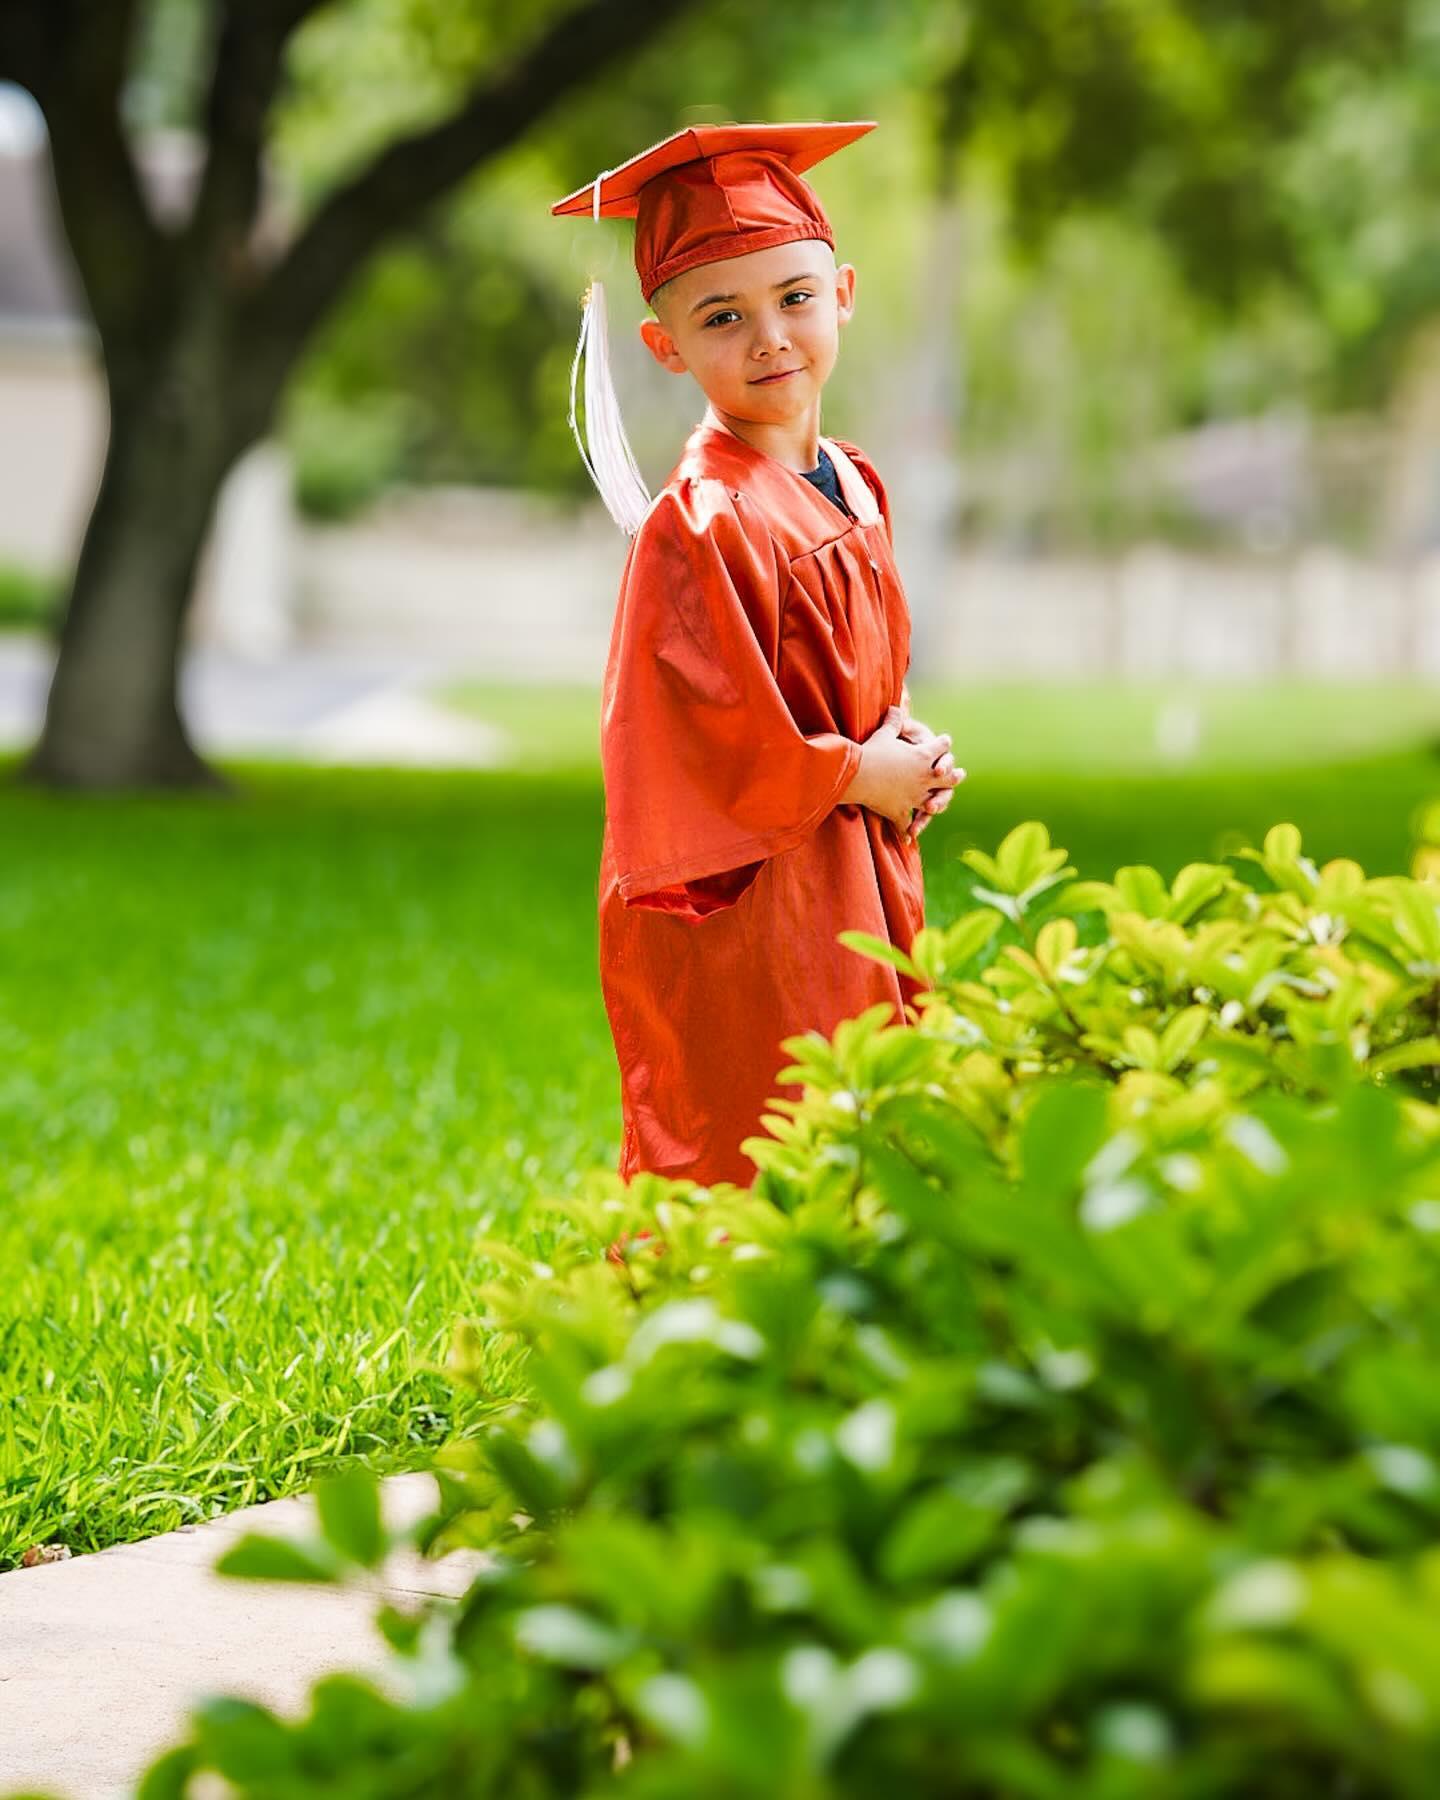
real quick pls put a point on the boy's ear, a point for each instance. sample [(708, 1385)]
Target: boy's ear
[(662, 346), (844, 291)]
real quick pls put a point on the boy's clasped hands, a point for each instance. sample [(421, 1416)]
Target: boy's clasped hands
[(906, 773)]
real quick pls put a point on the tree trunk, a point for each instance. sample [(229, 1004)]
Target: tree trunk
[(113, 718)]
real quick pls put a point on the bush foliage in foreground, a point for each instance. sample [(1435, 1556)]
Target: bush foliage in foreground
[(1056, 1416)]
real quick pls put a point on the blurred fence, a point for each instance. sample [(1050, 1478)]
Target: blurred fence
[(507, 583), (515, 588), (1156, 611)]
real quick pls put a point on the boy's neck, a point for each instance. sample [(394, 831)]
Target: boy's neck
[(794, 442)]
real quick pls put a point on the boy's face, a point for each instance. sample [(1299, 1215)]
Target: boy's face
[(777, 310)]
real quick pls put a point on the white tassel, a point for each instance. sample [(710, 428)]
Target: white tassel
[(613, 469), (610, 460)]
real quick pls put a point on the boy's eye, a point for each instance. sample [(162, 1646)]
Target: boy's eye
[(794, 294)]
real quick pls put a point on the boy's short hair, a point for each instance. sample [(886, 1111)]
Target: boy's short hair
[(657, 299)]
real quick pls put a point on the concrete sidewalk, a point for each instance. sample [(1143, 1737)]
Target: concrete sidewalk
[(101, 1655), (314, 705)]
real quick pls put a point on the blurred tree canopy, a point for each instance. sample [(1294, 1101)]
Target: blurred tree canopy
[(1244, 186), (1275, 149)]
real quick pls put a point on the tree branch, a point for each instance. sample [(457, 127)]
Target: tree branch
[(30, 39), (250, 41), (81, 52), (413, 173)]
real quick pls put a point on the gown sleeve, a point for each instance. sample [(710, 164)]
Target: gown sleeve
[(706, 772)]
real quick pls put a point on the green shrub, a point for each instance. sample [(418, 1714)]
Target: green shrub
[(344, 456), (1261, 973), (1055, 1417)]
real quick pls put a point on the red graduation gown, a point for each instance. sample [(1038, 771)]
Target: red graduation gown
[(759, 636)]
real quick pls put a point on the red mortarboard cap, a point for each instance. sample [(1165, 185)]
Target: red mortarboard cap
[(712, 191)]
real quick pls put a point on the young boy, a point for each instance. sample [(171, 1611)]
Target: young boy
[(765, 785)]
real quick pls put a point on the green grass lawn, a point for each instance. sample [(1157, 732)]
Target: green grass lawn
[(1012, 728), (266, 1064), (269, 1063)]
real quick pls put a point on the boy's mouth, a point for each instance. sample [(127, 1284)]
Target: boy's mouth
[(764, 380)]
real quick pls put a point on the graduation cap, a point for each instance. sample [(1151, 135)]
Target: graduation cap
[(698, 196)]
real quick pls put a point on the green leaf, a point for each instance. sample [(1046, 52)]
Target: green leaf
[(534, 1485), (1054, 943), (1419, 1053), (1419, 917), (902, 1056), (348, 1504), (243, 1741), (565, 1635), (968, 936), (401, 1630), (260, 1558), (932, 1133), (167, 1778), (943, 1531), (1272, 1681), (1193, 888), (1341, 878), (1091, 896), (878, 950), (1181, 1036), (1042, 885), (1142, 890), (1142, 1046), (983, 865), (1062, 1129), (347, 1710), (1021, 858)]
